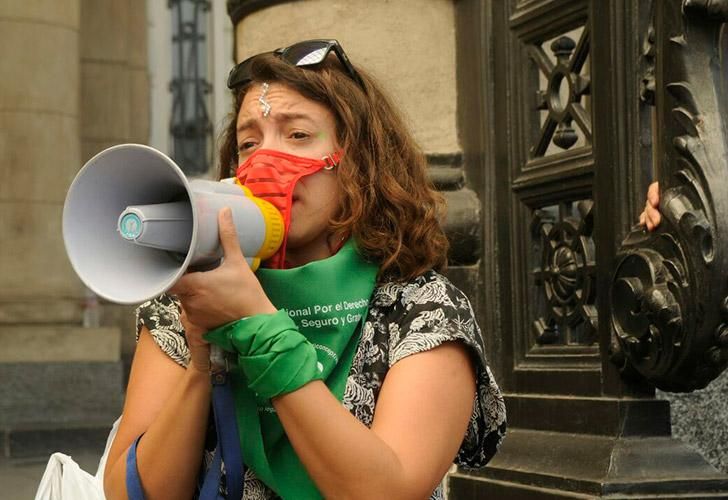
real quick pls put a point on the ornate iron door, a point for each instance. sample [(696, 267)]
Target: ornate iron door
[(578, 99)]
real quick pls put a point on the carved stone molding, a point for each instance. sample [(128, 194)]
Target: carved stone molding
[(668, 295), (238, 9)]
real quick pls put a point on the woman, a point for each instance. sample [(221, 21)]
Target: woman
[(318, 139)]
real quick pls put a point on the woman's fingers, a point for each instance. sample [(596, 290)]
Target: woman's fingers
[(650, 217), (198, 346), (186, 285), (228, 236), (191, 330), (653, 194), (654, 218)]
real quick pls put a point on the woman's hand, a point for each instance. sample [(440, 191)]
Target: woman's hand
[(227, 293), (199, 347), (651, 217)]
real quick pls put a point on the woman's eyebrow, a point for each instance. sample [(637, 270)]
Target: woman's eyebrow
[(279, 117), (246, 124), (291, 116)]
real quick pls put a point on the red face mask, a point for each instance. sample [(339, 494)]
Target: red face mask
[(272, 175)]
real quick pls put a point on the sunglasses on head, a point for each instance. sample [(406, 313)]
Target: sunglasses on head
[(301, 54)]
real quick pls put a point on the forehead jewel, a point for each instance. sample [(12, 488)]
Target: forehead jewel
[(264, 104)]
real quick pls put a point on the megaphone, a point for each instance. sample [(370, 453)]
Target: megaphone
[(133, 223)]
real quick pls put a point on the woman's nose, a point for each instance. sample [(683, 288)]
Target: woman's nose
[(272, 142)]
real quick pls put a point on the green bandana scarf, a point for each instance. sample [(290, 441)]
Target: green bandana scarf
[(314, 335)]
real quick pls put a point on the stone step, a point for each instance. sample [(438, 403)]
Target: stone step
[(39, 444), (46, 407)]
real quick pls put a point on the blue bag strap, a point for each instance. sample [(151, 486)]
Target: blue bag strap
[(228, 442), (228, 449), (133, 483), (134, 491), (210, 487)]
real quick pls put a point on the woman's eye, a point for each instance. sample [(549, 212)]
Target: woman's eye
[(246, 146), (299, 135)]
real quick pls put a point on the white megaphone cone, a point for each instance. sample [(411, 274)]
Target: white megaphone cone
[(133, 223)]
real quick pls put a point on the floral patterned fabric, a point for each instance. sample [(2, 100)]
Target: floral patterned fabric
[(403, 319)]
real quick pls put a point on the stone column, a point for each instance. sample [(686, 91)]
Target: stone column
[(114, 79), (115, 104), (60, 379), (40, 154)]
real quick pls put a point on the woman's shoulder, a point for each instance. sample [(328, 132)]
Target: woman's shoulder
[(428, 287), (422, 313), (162, 317)]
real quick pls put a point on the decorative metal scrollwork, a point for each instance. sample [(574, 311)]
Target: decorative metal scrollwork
[(567, 277), (564, 91), (669, 310)]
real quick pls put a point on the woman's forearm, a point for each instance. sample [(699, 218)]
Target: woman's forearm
[(423, 409), (343, 457), (170, 452)]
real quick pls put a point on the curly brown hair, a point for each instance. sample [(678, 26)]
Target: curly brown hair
[(389, 204)]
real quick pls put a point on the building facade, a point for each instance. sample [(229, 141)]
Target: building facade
[(537, 120)]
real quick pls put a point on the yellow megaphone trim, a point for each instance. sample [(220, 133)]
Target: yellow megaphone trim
[(274, 228)]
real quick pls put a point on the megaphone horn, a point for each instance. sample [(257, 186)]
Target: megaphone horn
[(133, 224)]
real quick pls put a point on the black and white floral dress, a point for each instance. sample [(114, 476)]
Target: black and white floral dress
[(403, 319)]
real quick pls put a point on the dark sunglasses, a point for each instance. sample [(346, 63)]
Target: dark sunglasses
[(301, 54)]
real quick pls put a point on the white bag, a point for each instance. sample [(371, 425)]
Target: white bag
[(63, 479)]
